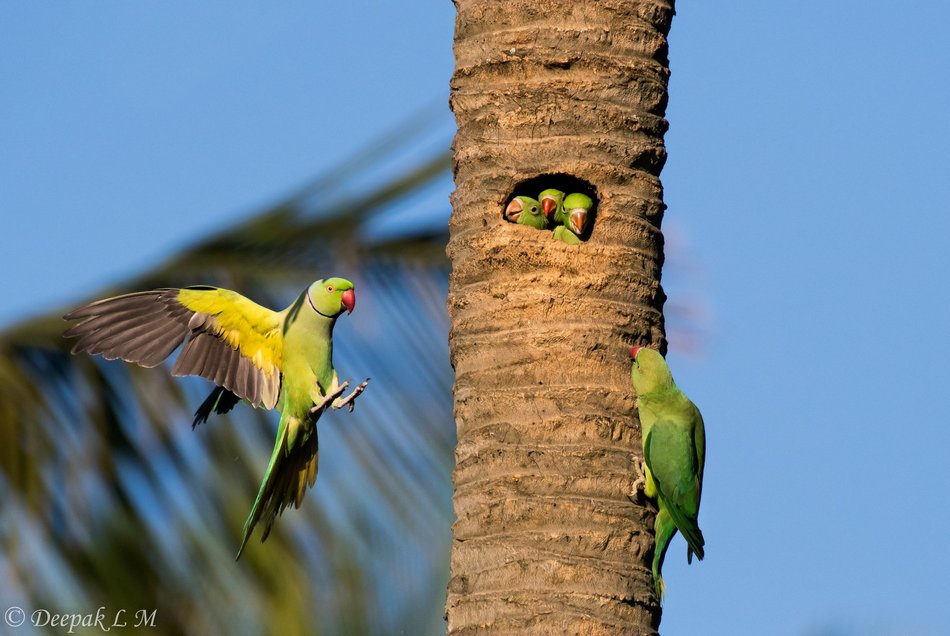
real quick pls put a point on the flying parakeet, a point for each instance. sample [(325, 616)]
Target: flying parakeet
[(271, 359), (526, 211), (674, 449)]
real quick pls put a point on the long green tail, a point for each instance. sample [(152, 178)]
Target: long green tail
[(256, 511), (664, 528), (292, 469), (690, 530)]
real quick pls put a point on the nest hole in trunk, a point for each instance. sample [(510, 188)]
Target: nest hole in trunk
[(566, 183)]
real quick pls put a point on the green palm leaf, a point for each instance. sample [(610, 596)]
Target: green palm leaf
[(111, 499)]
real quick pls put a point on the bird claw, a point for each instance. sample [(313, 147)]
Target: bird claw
[(329, 398), (639, 485), (350, 399)]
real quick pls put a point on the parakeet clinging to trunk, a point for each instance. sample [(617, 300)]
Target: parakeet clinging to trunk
[(674, 449), (526, 211), (271, 359)]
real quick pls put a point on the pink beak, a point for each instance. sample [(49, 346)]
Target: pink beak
[(633, 351), (513, 211), (349, 300)]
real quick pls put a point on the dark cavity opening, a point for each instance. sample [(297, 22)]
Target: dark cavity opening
[(566, 183)]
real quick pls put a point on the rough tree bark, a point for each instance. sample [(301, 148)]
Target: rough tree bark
[(546, 539)]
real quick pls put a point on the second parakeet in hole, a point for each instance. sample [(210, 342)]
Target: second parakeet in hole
[(271, 359), (526, 211), (674, 450), (552, 203)]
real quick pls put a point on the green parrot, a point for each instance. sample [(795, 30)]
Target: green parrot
[(552, 202), (526, 211), (574, 217), (270, 359), (674, 449)]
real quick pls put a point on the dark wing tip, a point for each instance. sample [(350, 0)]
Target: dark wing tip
[(220, 402)]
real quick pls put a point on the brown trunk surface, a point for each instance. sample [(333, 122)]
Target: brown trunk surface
[(546, 539)]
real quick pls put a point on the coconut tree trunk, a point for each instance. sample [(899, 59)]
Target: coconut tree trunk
[(547, 93)]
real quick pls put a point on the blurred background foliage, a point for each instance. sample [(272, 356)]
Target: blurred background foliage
[(109, 497)]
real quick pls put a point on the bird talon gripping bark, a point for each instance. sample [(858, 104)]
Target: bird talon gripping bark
[(350, 400), (639, 485)]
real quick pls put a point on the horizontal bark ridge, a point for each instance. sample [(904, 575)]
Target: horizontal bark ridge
[(546, 538)]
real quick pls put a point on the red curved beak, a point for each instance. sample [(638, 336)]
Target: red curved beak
[(578, 220), (349, 300), (634, 350), (549, 206)]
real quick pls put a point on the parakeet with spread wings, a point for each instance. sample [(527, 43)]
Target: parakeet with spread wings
[(268, 358)]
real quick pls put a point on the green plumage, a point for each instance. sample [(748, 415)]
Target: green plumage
[(551, 210), (307, 376), (271, 359), (576, 212), (674, 451), (568, 214), (561, 233), (526, 211), (552, 203)]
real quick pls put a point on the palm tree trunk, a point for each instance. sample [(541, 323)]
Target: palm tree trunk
[(546, 539)]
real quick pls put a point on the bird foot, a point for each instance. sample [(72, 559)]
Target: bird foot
[(639, 485), (350, 399), (329, 398)]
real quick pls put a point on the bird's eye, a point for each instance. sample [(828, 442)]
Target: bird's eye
[(330, 288), (534, 210)]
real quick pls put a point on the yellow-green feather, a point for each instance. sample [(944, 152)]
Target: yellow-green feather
[(246, 326)]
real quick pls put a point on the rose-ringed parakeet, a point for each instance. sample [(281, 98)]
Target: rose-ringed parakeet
[(526, 211), (552, 203), (271, 359), (573, 217), (674, 450)]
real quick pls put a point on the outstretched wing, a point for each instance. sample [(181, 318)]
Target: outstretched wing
[(232, 341)]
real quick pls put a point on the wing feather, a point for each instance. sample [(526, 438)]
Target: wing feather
[(129, 338), (670, 455), (126, 341), (230, 340)]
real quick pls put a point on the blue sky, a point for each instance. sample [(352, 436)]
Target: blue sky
[(129, 129), (808, 207)]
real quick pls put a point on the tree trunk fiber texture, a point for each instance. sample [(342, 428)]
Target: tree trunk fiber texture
[(546, 539)]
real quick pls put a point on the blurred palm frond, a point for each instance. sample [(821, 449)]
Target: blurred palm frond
[(110, 498)]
